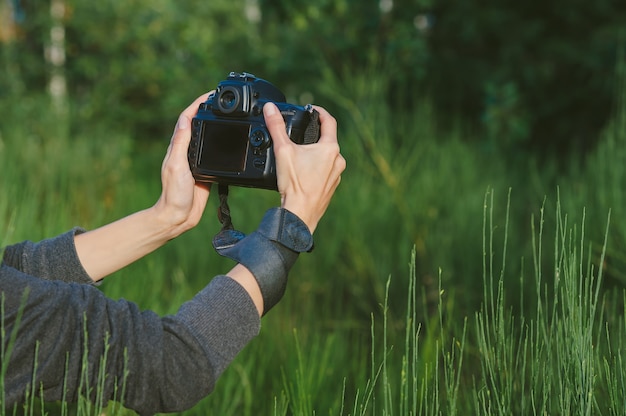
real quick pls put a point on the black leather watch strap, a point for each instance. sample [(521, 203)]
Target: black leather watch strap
[(286, 228), (270, 252)]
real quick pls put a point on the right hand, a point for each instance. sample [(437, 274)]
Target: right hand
[(307, 175)]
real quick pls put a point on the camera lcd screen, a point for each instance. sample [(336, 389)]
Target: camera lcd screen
[(224, 146)]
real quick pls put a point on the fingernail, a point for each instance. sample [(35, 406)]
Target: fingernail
[(183, 122), (269, 109)]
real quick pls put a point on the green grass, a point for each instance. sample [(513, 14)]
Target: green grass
[(443, 282)]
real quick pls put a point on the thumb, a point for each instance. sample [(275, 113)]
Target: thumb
[(275, 124), (181, 136)]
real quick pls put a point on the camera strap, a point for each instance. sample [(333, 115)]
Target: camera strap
[(228, 236)]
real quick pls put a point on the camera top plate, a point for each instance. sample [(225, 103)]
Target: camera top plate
[(231, 144)]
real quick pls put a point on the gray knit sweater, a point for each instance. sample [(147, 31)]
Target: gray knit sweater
[(170, 362)]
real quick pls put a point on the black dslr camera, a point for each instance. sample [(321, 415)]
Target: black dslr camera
[(230, 143)]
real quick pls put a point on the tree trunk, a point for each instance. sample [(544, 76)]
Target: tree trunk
[(253, 11), (55, 56)]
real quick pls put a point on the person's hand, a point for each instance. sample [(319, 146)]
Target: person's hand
[(109, 248), (307, 175), (182, 200)]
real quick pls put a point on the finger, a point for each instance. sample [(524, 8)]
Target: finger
[(339, 165), (181, 135), (328, 125), (201, 194), (334, 177), (275, 124), (191, 111)]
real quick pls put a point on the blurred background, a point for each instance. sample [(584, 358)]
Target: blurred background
[(442, 105)]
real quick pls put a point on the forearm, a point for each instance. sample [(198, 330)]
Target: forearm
[(245, 278), (168, 364), (267, 254), (178, 209), (51, 259), (109, 248)]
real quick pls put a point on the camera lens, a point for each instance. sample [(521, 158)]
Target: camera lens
[(228, 100)]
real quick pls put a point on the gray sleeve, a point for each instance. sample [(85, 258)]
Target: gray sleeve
[(168, 363), (53, 259)]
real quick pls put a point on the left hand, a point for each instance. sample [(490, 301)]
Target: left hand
[(182, 200), (109, 248)]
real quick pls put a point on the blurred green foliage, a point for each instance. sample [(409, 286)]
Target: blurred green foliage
[(548, 66), (438, 102), (531, 77)]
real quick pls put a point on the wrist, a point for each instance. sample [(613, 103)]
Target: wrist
[(286, 228), (167, 222), (302, 211), (111, 247), (269, 252)]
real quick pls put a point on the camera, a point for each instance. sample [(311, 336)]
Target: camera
[(230, 143)]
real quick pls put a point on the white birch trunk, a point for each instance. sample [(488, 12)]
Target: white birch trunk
[(253, 11), (55, 56)]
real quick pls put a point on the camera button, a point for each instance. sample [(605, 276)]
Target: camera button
[(259, 163), (260, 140)]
